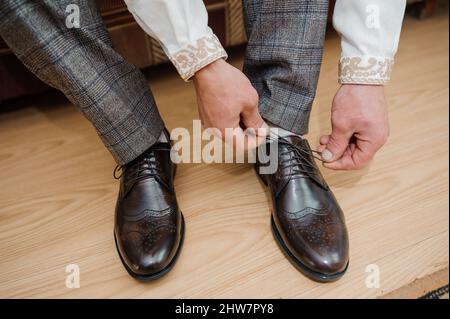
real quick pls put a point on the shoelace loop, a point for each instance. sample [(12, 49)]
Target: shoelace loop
[(298, 163), (144, 167)]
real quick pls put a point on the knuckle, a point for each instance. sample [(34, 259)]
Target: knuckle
[(380, 138), (365, 123), (360, 164), (366, 159), (253, 97), (361, 121), (340, 122)]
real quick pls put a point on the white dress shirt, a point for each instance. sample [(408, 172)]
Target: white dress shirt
[(369, 30)]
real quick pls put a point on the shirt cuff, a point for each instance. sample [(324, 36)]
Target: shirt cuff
[(365, 70), (196, 55)]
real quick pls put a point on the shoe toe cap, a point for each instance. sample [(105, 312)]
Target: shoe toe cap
[(331, 262), (148, 259), (322, 250), (148, 265)]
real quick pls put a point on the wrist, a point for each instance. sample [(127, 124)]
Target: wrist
[(208, 69), (365, 87), (362, 85)]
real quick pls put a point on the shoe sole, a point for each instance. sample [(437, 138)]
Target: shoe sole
[(161, 273), (308, 272)]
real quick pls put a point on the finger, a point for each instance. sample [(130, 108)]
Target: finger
[(321, 148), (357, 156), (255, 137), (252, 119), (255, 126), (240, 140), (363, 153), (336, 145), (324, 139), (343, 163), (351, 148)]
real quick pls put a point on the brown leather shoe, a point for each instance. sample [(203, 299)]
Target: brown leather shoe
[(307, 221), (149, 227)]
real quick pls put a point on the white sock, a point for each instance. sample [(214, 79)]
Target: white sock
[(281, 132), (163, 138)]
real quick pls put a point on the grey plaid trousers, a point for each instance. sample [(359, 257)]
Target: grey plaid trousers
[(284, 55), (109, 91), (282, 61)]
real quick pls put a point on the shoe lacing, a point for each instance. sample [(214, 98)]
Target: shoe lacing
[(298, 163), (145, 166)]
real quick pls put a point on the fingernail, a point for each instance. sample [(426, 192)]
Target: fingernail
[(327, 155)]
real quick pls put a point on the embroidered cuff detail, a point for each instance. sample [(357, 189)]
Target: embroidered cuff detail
[(197, 55), (365, 70)]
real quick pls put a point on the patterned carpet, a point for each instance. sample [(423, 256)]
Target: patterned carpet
[(440, 293)]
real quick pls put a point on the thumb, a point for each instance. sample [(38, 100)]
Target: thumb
[(336, 145)]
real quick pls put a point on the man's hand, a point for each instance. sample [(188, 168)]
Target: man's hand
[(225, 98), (360, 127)]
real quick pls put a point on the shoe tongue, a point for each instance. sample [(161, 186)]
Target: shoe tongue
[(306, 160), (294, 139), (150, 165)]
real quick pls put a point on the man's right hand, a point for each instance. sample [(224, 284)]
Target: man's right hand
[(225, 98)]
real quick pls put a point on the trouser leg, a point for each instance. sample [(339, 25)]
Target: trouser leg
[(284, 55), (111, 93)]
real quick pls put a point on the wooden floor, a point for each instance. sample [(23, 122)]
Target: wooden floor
[(57, 196)]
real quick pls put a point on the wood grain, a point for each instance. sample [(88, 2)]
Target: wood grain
[(57, 195)]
